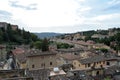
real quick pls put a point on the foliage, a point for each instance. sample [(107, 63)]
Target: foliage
[(45, 44), (104, 50), (89, 33), (41, 44), (115, 38), (18, 36), (64, 45), (37, 44), (103, 32), (107, 78)]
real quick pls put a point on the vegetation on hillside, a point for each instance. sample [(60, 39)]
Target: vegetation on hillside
[(64, 46), (42, 44), (112, 41), (18, 36)]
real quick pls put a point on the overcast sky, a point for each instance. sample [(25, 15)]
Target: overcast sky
[(63, 16)]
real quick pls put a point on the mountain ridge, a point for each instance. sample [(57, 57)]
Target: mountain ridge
[(47, 34)]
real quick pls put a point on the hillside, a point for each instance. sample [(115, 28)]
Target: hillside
[(110, 37), (11, 34), (47, 34)]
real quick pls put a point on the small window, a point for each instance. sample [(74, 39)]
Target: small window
[(103, 62), (50, 63), (97, 73), (89, 65), (108, 63), (79, 65), (74, 63), (94, 64), (101, 66), (43, 65), (75, 74), (33, 66)]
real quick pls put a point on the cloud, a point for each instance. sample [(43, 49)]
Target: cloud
[(113, 2), (16, 4), (6, 13), (60, 15), (106, 19), (113, 5)]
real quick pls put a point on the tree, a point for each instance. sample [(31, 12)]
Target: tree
[(1, 36), (37, 44), (45, 44), (34, 37), (64, 45), (104, 50)]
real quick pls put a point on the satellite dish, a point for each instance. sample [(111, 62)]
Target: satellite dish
[(56, 69)]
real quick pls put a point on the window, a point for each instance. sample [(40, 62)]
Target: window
[(50, 63), (74, 63), (94, 64), (75, 74), (101, 66), (97, 73), (89, 65), (43, 65), (103, 62), (33, 66), (79, 65), (108, 63)]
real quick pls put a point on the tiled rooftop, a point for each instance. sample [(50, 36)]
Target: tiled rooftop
[(97, 59), (37, 52)]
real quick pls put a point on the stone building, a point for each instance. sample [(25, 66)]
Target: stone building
[(37, 59)]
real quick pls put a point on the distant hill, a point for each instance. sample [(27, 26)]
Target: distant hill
[(47, 34)]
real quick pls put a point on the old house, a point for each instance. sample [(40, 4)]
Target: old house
[(95, 63), (2, 53), (20, 55), (7, 74), (98, 46), (39, 74), (66, 58), (37, 59), (3, 25), (78, 36), (99, 36)]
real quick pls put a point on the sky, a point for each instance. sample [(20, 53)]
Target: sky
[(61, 16)]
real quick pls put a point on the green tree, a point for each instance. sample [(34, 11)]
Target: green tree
[(37, 44), (1, 35), (34, 37), (45, 45), (64, 45)]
